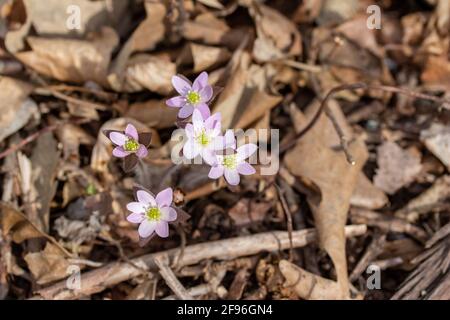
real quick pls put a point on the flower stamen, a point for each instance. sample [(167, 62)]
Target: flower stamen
[(193, 97), (203, 139), (131, 145), (153, 214), (230, 161)]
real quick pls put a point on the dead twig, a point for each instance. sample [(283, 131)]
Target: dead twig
[(171, 280), (113, 273), (288, 214)]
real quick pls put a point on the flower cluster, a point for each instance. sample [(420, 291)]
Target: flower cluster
[(204, 139), (204, 134)]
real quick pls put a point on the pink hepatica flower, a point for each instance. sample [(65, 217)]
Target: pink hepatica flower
[(204, 138), (192, 96), (232, 165), (127, 143), (152, 213)]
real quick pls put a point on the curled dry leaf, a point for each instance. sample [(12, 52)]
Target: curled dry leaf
[(246, 211), (16, 108), (309, 286), (72, 60), (366, 195), (396, 167), (277, 37), (205, 57), (316, 159), (437, 140), (48, 265), (153, 113)]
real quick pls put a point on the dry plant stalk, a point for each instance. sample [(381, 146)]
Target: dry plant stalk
[(113, 273)]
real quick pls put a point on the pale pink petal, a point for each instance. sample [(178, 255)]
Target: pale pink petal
[(213, 120), (119, 152), (168, 214), (232, 176), (200, 82), (204, 110), (136, 207), (209, 156), (185, 111), (245, 151), (181, 85), (176, 102), (245, 168), (218, 143), (162, 229), (142, 152), (131, 131), (216, 172), (206, 93), (145, 198), (164, 198), (135, 217), (189, 130), (146, 228), (118, 138), (230, 139), (191, 149), (197, 120)]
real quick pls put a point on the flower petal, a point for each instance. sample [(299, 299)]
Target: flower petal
[(146, 228), (204, 110), (181, 85), (142, 152), (245, 169), (232, 176), (135, 217), (245, 151), (162, 229), (164, 198), (206, 93), (168, 214), (118, 138), (185, 111), (176, 102), (213, 121), (200, 82), (209, 156), (191, 149), (119, 152), (197, 120), (145, 198), (216, 172), (131, 131), (230, 139), (189, 129), (136, 207)]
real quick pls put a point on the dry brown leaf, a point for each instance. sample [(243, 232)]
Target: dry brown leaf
[(145, 71), (153, 113), (437, 140), (316, 159), (18, 224), (366, 195), (277, 37), (436, 72), (48, 265), (206, 57), (309, 286), (71, 59), (16, 108), (246, 211), (396, 167)]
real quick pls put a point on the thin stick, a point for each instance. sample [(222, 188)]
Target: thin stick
[(171, 280), (113, 273), (288, 214), (354, 86)]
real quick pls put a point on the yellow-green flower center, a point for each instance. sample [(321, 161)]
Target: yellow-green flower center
[(131, 145), (230, 161), (203, 139), (153, 214), (193, 97)]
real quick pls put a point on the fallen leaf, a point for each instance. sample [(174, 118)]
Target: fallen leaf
[(314, 158), (437, 140), (396, 167), (48, 265), (153, 113), (16, 108), (72, 60), (366, 195), (246, 211), (206, 57)]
